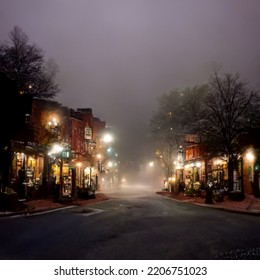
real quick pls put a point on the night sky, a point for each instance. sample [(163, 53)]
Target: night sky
[(118, 56)]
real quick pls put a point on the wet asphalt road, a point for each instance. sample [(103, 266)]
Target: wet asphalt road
[(134, 224)]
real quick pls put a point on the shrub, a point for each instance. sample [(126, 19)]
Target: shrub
[(193, 190)]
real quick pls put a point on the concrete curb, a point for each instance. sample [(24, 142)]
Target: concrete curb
[(254, 212), (229, 209), (33, 212)]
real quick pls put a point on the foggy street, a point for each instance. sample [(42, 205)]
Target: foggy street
[(129, 139), (135, 223)]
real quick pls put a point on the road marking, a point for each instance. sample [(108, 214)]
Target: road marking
[(89, 211)]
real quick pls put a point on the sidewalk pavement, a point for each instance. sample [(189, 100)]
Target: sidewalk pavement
[(250, 204), (49, 205)]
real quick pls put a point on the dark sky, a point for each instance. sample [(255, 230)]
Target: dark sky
[(118, 56)]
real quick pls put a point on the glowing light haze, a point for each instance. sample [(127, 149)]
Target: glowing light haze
[(118, 56)]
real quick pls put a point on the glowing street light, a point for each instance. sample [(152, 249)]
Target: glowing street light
[(107, 138), (56, 149), (250, 156)]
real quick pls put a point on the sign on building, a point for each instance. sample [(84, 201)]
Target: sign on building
[(88, 133)]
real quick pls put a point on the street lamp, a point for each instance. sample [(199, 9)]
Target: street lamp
[(250, 156), (55, 152), (56, 149), (108, 138), (79, 164)]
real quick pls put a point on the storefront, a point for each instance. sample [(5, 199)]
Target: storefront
[(26, 172), (194, 171), (62, 174)]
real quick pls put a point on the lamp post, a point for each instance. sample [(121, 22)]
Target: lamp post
[(193, 174), (79, 174), (250, 157), (55, 152)]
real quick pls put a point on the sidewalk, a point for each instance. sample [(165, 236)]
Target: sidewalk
[(249, 205), (49, 205)]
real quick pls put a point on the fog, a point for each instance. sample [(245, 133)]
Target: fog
[(118, 56), (146, 179)]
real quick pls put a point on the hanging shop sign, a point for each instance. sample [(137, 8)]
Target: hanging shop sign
[(88, 133), (66, 154)]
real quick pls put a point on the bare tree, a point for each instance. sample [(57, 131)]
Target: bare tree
[(24, 63), (179, 112), (165, 153), (166, 121), (228, 101), (165, 130)]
